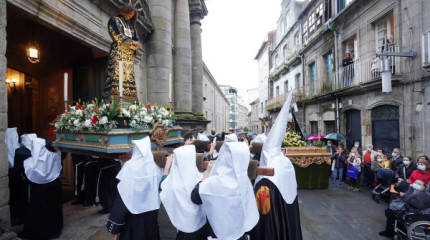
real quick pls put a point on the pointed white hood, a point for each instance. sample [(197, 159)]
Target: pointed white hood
[(139, 179), (231, 138), (43, 166), (285, 175), (11, 140), (26, 140), (176, 191), (227, 195), (202, 137), (261, 138)]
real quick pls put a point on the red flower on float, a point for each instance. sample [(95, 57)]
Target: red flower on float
[(148, 106), (94, 120), (96, 110)]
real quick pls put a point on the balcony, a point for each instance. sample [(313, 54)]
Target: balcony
[(365, 71), (277, 102)]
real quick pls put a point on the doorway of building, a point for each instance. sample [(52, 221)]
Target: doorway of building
[(385, 127), (353, 127)]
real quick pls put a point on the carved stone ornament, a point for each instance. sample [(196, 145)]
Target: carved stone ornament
[(159, 134)]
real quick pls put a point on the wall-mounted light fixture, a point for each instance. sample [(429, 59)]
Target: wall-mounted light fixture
[(11, 84), (419, 107), (33, 52)]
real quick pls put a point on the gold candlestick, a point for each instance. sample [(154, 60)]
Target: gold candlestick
[(65, 106)]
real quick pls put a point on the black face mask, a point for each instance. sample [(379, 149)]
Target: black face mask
[(213, 133)]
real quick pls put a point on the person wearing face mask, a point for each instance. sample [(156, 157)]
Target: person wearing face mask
[(214, 135), (397, 159), (424, 157), (416, 199), (357, 145), (405, 170), (355, 160), (368, 156), (339, 160), (421, 173)]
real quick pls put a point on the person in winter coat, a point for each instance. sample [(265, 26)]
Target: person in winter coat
[(339, 163)]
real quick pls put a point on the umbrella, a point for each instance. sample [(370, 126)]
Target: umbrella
[(307, 135), (251, 134), (335, 136), (316, 137)]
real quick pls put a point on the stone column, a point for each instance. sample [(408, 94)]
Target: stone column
[(4, 188), (182, 59), (159, 52), (197, 12)]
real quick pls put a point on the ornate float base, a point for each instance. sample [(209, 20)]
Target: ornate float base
[(312, 166), (117, 140)]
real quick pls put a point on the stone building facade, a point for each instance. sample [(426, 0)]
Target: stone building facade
[(348, 98), (73, 38), (215, 103)]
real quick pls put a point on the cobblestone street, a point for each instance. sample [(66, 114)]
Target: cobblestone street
[(334, 213)]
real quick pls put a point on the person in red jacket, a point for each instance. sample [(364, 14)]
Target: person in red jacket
[(421, 173)]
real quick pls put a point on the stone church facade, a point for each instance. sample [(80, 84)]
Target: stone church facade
[(170, 33)]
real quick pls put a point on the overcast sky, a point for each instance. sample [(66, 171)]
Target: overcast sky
[(232, 33)]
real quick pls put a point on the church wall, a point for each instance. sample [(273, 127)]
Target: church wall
[(4, 189)]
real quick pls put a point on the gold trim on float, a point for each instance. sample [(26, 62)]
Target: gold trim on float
[(96, 145), (117, 133)]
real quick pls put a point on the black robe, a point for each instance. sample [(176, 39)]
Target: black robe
[(107, 183), (45, 211), (18, 185), (130, 226), (282, 221)]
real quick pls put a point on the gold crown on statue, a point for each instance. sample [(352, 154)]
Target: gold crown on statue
[(135, 4)]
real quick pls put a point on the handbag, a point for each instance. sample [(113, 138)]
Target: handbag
[(397, 205), (352, 172)]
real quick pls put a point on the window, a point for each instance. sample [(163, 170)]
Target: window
[(298, 81), (426, 48), (341, 4), (285, 86), (319, 15), (277, 91), (285, 50), (314, 127), (329, 68), (311, 23), (276, 60), (297, 38), (329, 127), (384, 31), (313, 75), (305, 31)]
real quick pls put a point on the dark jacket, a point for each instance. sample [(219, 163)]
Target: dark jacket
[(396, 163), (407, 170), (339, 160), (416, 201)]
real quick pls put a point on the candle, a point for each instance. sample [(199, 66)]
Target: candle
[(170, 87), (120, 78), (65, 86)]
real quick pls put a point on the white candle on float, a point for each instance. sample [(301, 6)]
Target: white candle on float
[(170, 87), (65, 86), (120, 78)]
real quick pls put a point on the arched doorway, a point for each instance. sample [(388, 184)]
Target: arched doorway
[(353, 127), (385, 127)]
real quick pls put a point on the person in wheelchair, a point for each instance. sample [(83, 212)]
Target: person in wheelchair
[(415, 200)]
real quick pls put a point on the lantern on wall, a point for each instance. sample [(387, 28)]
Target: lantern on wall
[(33, 52)]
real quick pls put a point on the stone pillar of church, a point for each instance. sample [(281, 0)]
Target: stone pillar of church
[(159, 52), (182, 59), (197, 12)]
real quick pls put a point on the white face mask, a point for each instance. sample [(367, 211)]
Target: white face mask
[(353, 154), (407, 163), (394, 154), (379, 159)]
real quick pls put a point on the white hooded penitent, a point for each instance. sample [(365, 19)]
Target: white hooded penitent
[(227, 195), (139, 179), (11, 140), (285, 176), (202, 137), (43, 166), (231, 138), (26, 140), (176, 191)]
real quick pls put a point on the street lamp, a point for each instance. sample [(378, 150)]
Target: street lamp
[(386, 70)]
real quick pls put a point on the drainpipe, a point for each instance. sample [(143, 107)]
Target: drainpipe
[(336, 65)]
